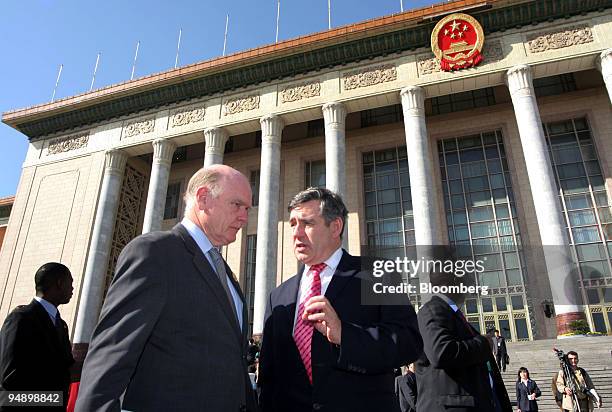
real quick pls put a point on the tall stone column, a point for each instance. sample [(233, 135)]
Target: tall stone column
[(163, 149), (334, 115), (216, 138), (99, 250), (545, 197), (267, 216), (420, 166), (604, 64)]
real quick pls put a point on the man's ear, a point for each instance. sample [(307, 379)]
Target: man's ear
[(202, 196), (336, 226)]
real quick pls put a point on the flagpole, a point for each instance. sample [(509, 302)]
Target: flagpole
[(178, 47), (277, 18), (135, 57), (93, 79), (402, 6), (225, 35), (59, 73), (329, 14)]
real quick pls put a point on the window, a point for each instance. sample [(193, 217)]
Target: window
[(462, 101), (548, 86), (316, 128), (314, 174), (249, 281), (254, 180), (583, 197), (388, 200), (382, 115), (5, 213), (173, 197)]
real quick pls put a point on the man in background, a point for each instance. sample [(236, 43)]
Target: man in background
[(406, 389), (499, 350), (35, 351), (457, 370)]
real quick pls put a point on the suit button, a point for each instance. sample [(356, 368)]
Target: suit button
[(317, 406)]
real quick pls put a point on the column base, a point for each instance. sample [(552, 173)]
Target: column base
[(564, 320)]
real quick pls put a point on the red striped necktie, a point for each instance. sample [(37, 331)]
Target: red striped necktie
[(302, 335)]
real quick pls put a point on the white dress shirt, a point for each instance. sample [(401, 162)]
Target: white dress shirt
[(326, 277), (49, 307)]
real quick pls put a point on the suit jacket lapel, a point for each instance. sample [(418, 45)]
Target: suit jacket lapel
[(343, 274), (209, 275), (45, 322)]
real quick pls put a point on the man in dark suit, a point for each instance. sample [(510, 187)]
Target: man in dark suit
[(172, 331), (406, 390), (322, 348), (35, 352), (500, 351), (456, 371)]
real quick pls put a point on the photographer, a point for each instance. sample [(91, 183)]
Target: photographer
[(584, 385)]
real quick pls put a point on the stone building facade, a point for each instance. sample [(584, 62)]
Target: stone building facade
[(512, 153)]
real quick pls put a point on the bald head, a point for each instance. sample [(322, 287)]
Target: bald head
[(217, 199)]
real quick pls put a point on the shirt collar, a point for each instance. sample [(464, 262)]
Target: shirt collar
[(49, 307), (332, 262), (197, 234)]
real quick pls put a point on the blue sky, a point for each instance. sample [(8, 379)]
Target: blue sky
[(39, 35)]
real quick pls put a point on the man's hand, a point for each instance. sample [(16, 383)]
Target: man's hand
[(325, 319), (568, 391)]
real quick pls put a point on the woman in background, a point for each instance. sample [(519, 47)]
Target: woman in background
[(526, 392)]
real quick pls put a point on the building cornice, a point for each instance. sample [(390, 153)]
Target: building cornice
[(370, 39)]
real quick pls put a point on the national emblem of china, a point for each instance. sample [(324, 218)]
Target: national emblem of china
[(457, 42)]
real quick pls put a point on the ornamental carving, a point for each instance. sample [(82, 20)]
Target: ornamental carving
[(241, 104), (369, 77), (139, 127), (301, 91), (428, 64), (68, 143), (573, 36), (182, 117)]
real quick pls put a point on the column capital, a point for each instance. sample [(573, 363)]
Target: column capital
[(519, 79), (604, 62), (334, 113), (271, 128), (115, 161), (413, 97), (163, 149), (216, 138)]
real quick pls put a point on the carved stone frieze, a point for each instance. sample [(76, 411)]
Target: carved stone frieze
[(572, 36), (139, 127), (68, 143), (241, 104), (181, 117), (300, 91), (428, 64), (369, 76)]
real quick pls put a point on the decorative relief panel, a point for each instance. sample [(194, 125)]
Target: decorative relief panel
[(139, 127), (65, 144), (241, 104), (300, 91), (369, 77), (428, 63), (573, 36), (181, 117)]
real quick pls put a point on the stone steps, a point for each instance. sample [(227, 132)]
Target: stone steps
[(537, 356)]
